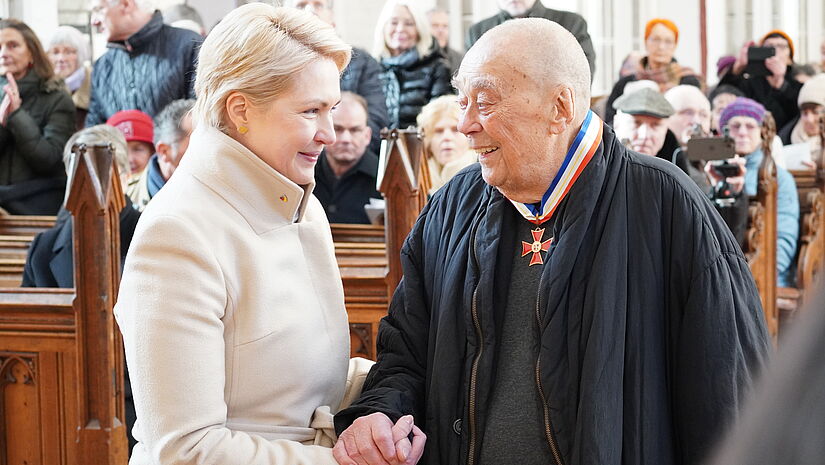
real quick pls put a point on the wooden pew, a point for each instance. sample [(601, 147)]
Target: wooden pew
[(61, 361), (19, 225), (369, 256), (761, 235)]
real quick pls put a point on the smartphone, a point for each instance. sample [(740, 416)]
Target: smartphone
[(710, 148), (756, 60)]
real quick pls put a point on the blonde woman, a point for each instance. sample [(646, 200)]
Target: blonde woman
[(414, 71), (446, 149), (231, 303)]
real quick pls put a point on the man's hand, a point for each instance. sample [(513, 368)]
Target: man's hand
[(374, 440)]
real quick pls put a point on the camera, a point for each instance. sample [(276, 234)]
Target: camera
[(756, 61)]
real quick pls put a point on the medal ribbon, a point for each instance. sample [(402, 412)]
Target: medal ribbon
[(578, 156)]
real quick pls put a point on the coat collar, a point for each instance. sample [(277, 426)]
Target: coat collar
[(140, 38), (536, 11), (264, 197)]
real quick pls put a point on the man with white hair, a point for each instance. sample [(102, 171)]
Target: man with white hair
[(148, 63), (566, 300), (692, 112)]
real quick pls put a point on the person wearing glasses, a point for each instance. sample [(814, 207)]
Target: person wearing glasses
[(346, 172), (658, 65)]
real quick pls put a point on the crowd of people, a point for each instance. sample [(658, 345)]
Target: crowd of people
[(284, 120)]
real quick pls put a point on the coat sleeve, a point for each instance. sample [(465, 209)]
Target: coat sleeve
[(369, 87), (175, 351), (43, 149), (396, 383), (719, 349)]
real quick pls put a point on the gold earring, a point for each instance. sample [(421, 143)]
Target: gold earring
[(243, 129)]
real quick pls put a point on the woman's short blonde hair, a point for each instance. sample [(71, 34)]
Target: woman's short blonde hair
[(256, 50), (433, 112), (422, 27)]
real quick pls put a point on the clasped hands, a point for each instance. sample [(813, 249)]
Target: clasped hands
[(11, 101), (375, 440)]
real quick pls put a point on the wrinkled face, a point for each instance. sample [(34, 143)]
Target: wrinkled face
[(660, 45), (15, 56), (783, 49), (446, 143), (106, 19), (810, 113), (139, 153), (720, 102), (746, 133), (440, 27), (64, 59), (516, 8), (505, 122), (400, 33), (648, 135), (290, 132), (688, 116), (352, 135)]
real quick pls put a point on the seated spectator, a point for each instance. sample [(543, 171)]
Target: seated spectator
[(743, 118), (360, 76), (722, 96), (646, 131), (137, 128), (806, 127), (69, 53), (509, 9), (413, 69), (148, 64), (440, 26), (185, 17), (36, 120), (659, 65), (692, 112), (632, 64), (777, 92), (447, 150), (346, 172), (171, 137)]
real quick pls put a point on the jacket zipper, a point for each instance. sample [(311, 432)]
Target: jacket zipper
[(548, 429), (474, 370)]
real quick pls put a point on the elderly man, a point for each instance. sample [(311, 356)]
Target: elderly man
[(534, 9), (346, 172), (360, 76), (148, 64), (691, 112), (566, 300), (171, 136), (643, 122)]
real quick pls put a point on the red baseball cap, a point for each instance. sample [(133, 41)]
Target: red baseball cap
[(134, 124)]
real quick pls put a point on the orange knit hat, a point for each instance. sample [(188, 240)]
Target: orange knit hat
[(778, 33), (664, 22)]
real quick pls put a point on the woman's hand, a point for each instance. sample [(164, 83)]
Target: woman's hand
[(742, 58), (11, 101)]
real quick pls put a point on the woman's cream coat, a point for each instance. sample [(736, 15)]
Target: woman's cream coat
[(233, 317)]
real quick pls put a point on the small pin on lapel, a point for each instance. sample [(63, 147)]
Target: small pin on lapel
[(284, 198)]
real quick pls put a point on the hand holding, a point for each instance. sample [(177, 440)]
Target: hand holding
[(374, 440)]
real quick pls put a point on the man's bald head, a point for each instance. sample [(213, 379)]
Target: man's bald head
[(547, 52)]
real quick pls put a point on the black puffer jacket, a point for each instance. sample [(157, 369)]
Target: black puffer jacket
[(651, 328), (410, 82), (145, 72), (361, 77), (32, 175)]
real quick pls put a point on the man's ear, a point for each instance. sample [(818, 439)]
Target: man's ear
[(563, 109), (367, 133), (164, 152), (237, 109)]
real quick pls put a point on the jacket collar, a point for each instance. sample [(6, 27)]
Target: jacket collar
[(264, 197), (140, 38)]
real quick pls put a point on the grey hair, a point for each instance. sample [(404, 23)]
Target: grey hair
[(167, 122), (99, 134), (67, 35)]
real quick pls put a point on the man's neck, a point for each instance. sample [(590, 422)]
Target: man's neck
[(340, 169), (137, 21)]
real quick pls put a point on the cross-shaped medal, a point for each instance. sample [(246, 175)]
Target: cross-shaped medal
[(536, 248)]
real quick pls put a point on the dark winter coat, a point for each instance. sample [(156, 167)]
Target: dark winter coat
[(361, 77), (410, 82), (573, 22), (147, 71), (651, 328), (782, 102), (32, 175)]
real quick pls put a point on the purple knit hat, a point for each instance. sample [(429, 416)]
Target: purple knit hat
[(742, 106)]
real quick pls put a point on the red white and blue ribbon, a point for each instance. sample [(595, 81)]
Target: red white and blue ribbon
[(577, 158)]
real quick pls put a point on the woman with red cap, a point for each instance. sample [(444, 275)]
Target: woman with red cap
[(138, 129), (659, 65), (778, 91)]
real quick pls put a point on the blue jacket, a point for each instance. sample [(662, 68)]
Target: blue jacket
[(787, 217), (145, 72)]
